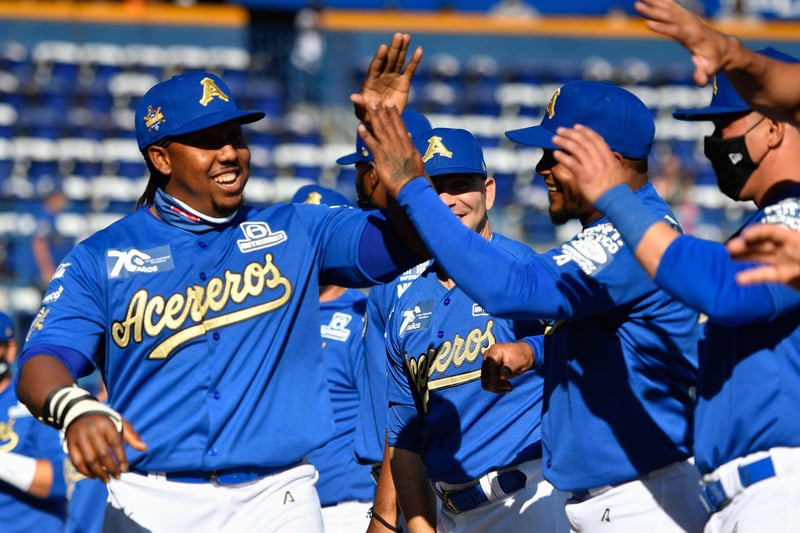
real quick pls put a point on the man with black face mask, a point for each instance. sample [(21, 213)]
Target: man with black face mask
[(747, 432), (732, 160)]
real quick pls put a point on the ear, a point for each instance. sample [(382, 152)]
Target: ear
[(159, 156), (776, 132), (490, 191)]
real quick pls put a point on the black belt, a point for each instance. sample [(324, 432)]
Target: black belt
[(472, 496), (224, 476), (713, 494)]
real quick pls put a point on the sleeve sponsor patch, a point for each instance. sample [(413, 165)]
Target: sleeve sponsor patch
[(416, 318), (593, 249)]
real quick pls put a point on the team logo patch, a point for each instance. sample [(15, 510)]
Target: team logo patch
[(154, 118), (257, 236), (592, 250), (125, 263), (416, 318), (478, 310), (337, 329)]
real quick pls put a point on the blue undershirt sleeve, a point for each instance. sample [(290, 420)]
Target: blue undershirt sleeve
[(77, 364), (381, 253), (404, 427), (503, 284), (536, 342), (630, 216), (702, 274)]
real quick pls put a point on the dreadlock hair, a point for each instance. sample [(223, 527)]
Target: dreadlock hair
[(157, 179)]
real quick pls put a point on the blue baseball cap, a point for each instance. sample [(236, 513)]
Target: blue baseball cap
[(6, 327), (316, 194), (725, 100), (450, 151), (416, 123), (184, 104), (623, 120)]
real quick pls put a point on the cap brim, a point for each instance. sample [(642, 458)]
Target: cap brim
[(350, 159), (708, 113), (454, 170), (533, 136), (212, 119)]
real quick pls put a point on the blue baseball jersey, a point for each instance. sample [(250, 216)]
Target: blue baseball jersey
[(749, 385), (435, 341), (341, 478), (86, 507), (620, 360), (208, 341), (22, 434), (371, 428)]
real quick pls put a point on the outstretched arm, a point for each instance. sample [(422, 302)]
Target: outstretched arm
[(388, 78), (778, 247), (768, 85), (94, 438)]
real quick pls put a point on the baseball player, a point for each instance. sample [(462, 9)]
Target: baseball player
[(202, 314), (371, 425), (345, 487), (481, 451), (747, 438), (32, 489), (620, 359)]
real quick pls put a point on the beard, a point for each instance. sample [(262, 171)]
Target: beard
[(561, 216)]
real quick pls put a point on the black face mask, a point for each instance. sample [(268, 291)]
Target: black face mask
[(731, 162)]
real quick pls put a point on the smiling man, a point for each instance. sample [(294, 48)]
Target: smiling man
[(202, 314)]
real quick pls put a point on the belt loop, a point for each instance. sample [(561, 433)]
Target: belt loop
[(756, 471)]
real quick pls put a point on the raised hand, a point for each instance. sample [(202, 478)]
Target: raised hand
[(388, 78), (708, 47), (586, 154), (396, 158)]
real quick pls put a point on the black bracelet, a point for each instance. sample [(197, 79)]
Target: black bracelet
[(372, 514)]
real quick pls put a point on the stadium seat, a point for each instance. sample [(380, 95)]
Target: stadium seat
[(121, 158)]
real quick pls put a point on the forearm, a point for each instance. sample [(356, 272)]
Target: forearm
[(42, 479), (385, 503), (38, 376), (414, 494), (768, 85)]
